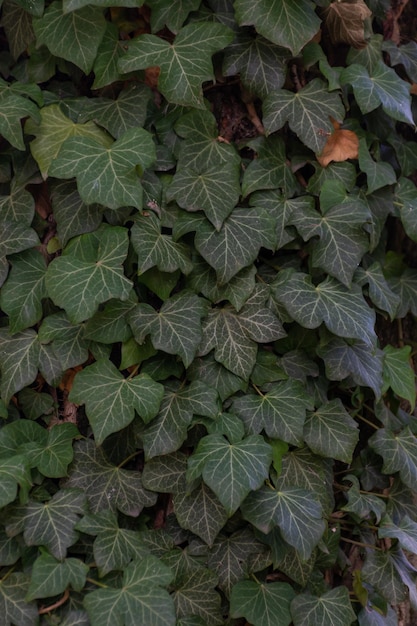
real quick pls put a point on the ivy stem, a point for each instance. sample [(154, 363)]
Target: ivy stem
[(95, 582), (360, 543), (57, 604), (133, 372), (255, 579), (7, 574), (129, 458), (368, 493), (258, 391), (363, 419)]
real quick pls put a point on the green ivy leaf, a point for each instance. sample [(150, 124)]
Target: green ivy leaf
[(182, 70), (73, 36), (105, 485), (399, 452), (379, 571), (51, 577), (330, 431), (262, 65), (264, 604), (53, 129), (67, 341), (333, 607), (270, 169), (296, 512), (14, 472), (72, 215), (225, 382), (142, 597), (283, 22), (281, 411), (307, 111), (22, 293), (378, 173), (398, 373), (362, 504), (111, 399), (405, 532), (406, 197), (231, 470), (166, 474), (384, 88), (169, 15), (344, 311), (175, 329), (109, 325), (168, 430), (109, 51), (14, 107), (379, 291), (89, 272), (13, 606), (10, 550), (114, 547), (56, 453), (107, 175), (201, 512), (19, 357), (17, 24)]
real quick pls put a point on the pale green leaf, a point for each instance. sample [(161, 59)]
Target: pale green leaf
[(383, 87), (72, 36), (201, 512), (111, 399), (184, 64), (89, 272), (330, 431), (307, 111), (285, 23), (280, 411), (22, 293), (13, 606), (141, 599), (344, 311), (333, 607), (264, 604), (51, 577), (399, 374), (53, 129), (106, 174), (231, 470), (105, 485), (399, 452)]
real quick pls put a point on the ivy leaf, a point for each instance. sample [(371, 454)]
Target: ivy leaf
[(106, 486), (166, 474), (405, 531), (51, 524), (171, 16), (405, 286), (307, 111), (54, 456), (142, 597), (89, 272), (384, 88), (175, 329), (13, 606), (264, 604), (342, 239), (237, 243), (201, 512), (283, 22), (111, 399), (156, 249), (53, 129), (362, 504), (72, 215), (296, 512), (331, 432), (22, 293), (225, 382), (51, 577), (399, 452), (13, 473), (109, 51), (181, 70), (19, 356), (398, 373), (281, 411), (270, 169), (233, 335), (68, 343), (344, 311), (168, 430), (231, 470), (262, 65), (354, 359), (333, 607), (378, 173), (73, 36), (406, 197), (107, 174), (379, 571), (114, 547), (379, 290), (13, 108)]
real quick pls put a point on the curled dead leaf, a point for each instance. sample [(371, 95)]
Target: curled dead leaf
[(345, 22), (340, 146)]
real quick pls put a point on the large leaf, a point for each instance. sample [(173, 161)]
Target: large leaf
[(264, 604), (231, 470), (175, 329), (280, 411), (142, 598), (111, 399), (331, 432), (107, 175), (296, 512), (399, 451), (333, 608), (344, 311), (73, 36), (89, 272), (384, 88), (51, 577), (285, 23), (184, 64), (105, 485), (307, 111)]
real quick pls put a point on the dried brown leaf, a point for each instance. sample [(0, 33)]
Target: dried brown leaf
[(340, 146), (345, 22)]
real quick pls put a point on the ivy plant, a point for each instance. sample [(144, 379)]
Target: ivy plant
[(208, 229)]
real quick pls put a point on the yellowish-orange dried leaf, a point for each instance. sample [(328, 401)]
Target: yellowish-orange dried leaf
[(345, 22), (413, 89), (151, 76), (68, 378), (340, 146)]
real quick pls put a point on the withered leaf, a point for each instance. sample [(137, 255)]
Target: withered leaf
[(345, 22)]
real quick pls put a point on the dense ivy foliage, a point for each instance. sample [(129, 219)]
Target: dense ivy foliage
[(207, 263)]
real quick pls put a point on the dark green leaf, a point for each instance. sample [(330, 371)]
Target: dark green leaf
[(171, 15), (398, 373), (13, 606), (51, 577), (72, 216), (201, 512), (331, 432), (333, 608), (271, 169), (264, 604), (399, 451)]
